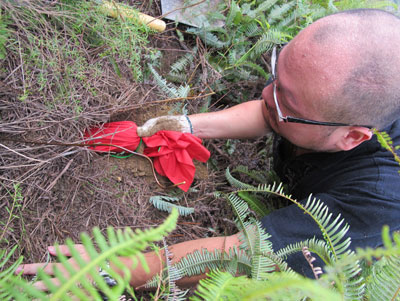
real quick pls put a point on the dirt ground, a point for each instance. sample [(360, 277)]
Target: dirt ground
[(62, 191)]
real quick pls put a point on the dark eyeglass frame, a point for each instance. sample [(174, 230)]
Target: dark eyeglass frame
[(273, 79)]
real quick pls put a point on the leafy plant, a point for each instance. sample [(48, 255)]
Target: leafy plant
[(386, 142), (163, 203), (52, 43), (125, 243), (342, 279), (252, 28), (16, 205), (169, 88), (7, 272), (4, 34)]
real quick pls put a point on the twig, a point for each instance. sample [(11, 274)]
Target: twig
[(59, 176), (165, 100), (26, 157), (99, 144)]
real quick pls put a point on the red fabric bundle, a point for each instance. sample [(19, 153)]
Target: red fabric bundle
[(173, 154), (121, 133)]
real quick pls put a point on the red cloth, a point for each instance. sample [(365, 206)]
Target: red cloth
[(121, 133), (173, 154)]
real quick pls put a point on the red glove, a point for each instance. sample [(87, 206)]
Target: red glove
[(121, 133), (173, 154)]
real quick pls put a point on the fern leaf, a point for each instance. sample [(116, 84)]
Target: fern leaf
[(264, 6), (7, 276), (241, 211), (254, 203), (169, 88), (235, 182), (385, 280), (123, 243), (234, 15), (258, 176), (279, 11), (197, 262), (163, 203), (260, 263), (317, 246), (221, 286), (289, 286), (180, 65), (257, 68), (209, 38), (173, 274)]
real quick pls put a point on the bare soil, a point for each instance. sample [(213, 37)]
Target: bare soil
[(67, 190)]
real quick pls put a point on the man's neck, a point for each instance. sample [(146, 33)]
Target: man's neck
[(301, 151)]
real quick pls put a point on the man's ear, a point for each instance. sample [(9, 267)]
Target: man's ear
[(351, 137)]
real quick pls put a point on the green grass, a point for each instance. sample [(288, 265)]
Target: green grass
[(13, 211), (56, 49)]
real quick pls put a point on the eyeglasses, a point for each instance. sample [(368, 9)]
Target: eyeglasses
[(273, 79)]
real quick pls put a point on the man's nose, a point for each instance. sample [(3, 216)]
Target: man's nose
[(268, 97)]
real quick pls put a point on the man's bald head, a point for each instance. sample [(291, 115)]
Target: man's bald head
[(357, 58)]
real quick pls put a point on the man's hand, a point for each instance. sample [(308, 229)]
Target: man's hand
[(48, 268), (179, 123)]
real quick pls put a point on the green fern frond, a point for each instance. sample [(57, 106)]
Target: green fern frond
[(173, 275), (264, 6), (250, 30), (234, 15), (332, 231), (278, 262), (240, 208), (235, 182), (183, 91), (252, 200), (386, 142), (289, 286), (279, 11), (4, 34), (254, 203), (288, 20), (7, 276), (317, 246), (209, 38), (163, 203), (345, 274), (261, 264), (199, 261), (255, 175), (176, 77), (169, 88), (221, 286), (279, 286), (257, 68), (119, 243), (385, 279), (180, 65)]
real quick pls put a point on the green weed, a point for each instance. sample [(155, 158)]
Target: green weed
[(13, 212), (55, 49)]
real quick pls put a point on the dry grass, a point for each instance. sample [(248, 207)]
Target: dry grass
[(54, 85), (55, 82)]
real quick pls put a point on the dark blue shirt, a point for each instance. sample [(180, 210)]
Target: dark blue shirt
[(363, 185)]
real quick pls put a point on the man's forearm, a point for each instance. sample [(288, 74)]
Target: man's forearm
[(245, 120), (156, 262)]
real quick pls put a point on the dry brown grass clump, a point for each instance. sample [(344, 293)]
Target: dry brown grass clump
[(66, 69)]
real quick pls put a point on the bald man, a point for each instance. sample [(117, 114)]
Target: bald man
[(334, 82)]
